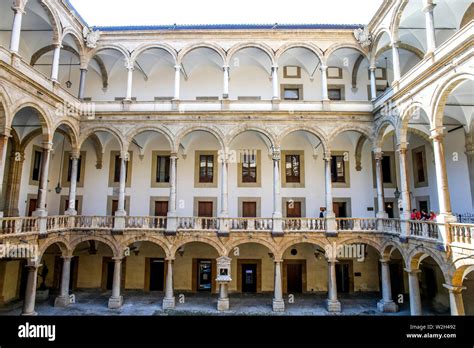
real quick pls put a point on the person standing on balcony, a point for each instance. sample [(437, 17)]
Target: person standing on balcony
[(432, 216)]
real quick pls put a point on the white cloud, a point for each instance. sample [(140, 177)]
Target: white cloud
[(155, 12)]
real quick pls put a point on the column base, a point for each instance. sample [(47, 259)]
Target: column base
[(223, 304), (171, 225), (333, 306), (169, 303), (72, 212), (278, 305), (119, 220), (32, 314), (62, 301), (277, 229), (381, 215), (115, 302), (387, 307)]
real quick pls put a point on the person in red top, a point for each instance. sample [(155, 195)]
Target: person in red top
[(432, 215), (415, 215)]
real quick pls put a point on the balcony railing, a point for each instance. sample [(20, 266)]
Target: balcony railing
[(455, 233)]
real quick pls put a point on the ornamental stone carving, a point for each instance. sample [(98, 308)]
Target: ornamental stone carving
[(91, 37), (363, 36)]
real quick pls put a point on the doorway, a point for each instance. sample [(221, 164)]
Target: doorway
[(115, 206), (294, 278), (161, 208), (396, 278), (249, 278), (344, 277), (293, 209), (204, 278), (249, 209), (31, 206), (157, 274), (340, 209)]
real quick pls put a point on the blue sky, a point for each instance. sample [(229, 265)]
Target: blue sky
[(156, 12)]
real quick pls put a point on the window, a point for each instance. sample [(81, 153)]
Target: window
[(386, 170), (292, 72), (249, 168), (334, 94), (338, 170), (38, 157), (206, 168), (163, 169), (117, 169), (292, 168), (420, 170), (291, 94), (420, 174), (69, 170)]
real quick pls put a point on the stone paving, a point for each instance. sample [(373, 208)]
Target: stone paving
[(146, 304)]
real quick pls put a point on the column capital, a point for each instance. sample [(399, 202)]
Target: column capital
[(177, 67), (395, 44), (372, 68), (47, 146), (67, 257), (278, 260), (124, 155), (225, 67), (412, 271), (19, 9), (170, 259), (454, 289), (437, 133), (174, 156), (378, 155), (327, 156), (129, 64), (117, 259), (276, 153), (428, 6), (274, 67), (75, 155), (402, 148), (384, 261)]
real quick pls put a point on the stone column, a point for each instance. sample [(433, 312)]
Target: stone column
[(456, 302), (130, 67), (177, 81), (331, 227), (3, 159), (41, 210), (123, 181), (16, 29), (172, 223), (73, 184), (386, 305), (224, 186), (413, 283), (445, 212), (275, 84), (63, 299), (277, 214), (169, 300), (430, 27), (30, 293), (225, 93), (373, 83), (55, 65), (396, 61), (223, 302), (404, 182), (381, 214), (324, 82), (82, 83), (470, 162), (116, 299), (17, 158), (278, 303), (333, 304)]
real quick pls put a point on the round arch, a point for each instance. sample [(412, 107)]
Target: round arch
[(247, 128), (54, 21), (111, 130), (77, 40), (230, 246), (367, 132), (312, 130), (415, 256), (262, 47), (377, 36), (461, 272), (44, 118), (310, 47), (60, 241), (396, 19), (320, 242), (406, 115), (156, 240), (380, 131), (156, 129), (218, 247), (441, 96), (335, 47), (389, 247), (369, 242), (73, 137), (184, 132), (145, 47), (115, 47), (219, 50), (112, 244)]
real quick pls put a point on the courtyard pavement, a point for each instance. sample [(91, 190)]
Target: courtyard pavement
[(147, 304)]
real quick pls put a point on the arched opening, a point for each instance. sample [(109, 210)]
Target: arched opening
[(300, 74), (154, 74), (250, 74), (201, 74), (348, 75)]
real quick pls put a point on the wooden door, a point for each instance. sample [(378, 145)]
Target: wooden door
[(161, 208), (294, 278), (31, 206), (115, 205), (249, 209), (293, 209), (205, 209)]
